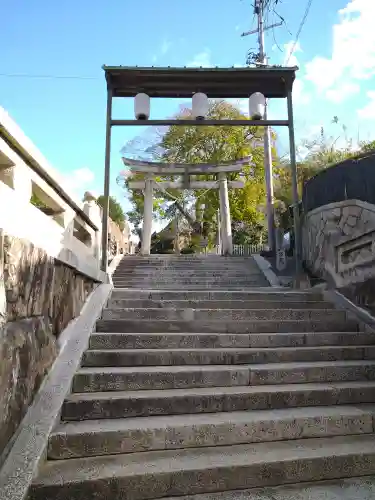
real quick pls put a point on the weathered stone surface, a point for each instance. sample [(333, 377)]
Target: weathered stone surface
[(362, 294), (70, 291), (104, 405), (107, 437), (324, 228), (28, 275), (338, 246), (27, 351), (41, 297), (205, 470), (37, 285)]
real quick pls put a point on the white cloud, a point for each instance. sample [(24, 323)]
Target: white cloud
[(300, 95), (80, 180), (162, 51), (241, 104), (237, 28), (342, 91), (353, 53), (201, 59), (290, 58), (166, 45), (368, 111)]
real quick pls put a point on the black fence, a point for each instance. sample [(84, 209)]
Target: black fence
[(348, 180)]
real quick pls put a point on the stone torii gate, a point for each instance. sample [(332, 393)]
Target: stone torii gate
[(185, 171)]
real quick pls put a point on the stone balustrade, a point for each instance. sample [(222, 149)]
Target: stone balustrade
[(36, 206), (50, 245), (338, 243)]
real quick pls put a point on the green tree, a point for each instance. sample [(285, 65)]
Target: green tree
[(205, 144), (116, 212)]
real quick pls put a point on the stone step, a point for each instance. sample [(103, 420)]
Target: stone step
[(223, 340), (264, 294), (189, 267), (213, 270), (188, 275), (207, 269), (189, 271), (207, 263), (189, 286), (125, 404), (201, 258), (105, 379), (115, 303), (151, 475), (189, 278), (359, 488), (232, 356), (130, 435), (176, 284), (203, 261), (248, 326), (225, 314)]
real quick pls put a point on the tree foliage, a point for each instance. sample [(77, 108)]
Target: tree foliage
[(116, 212), (321, 152), (205, 144)]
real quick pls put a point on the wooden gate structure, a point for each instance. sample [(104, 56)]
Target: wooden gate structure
[(215, 83)]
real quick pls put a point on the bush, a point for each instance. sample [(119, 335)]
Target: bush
[(188, 250)]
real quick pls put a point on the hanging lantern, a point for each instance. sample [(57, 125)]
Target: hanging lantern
[(257, 105), (200, 106), (142, 106)]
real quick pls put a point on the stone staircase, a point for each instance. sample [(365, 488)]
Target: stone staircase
[(199, 379)]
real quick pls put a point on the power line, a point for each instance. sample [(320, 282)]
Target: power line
[(307, 10), (283, 21), (53, 77)]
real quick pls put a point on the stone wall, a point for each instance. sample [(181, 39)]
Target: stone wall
[(338, 243), (38, 297)]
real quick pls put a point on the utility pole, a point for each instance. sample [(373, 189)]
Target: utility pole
[(262, 61)]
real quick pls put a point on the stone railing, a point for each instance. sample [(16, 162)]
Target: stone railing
[(339, 246), (49, 264), (34, 205)]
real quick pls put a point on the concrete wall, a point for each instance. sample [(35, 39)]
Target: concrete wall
[(339, 245)]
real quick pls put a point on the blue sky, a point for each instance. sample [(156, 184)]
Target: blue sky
[(65, 117)]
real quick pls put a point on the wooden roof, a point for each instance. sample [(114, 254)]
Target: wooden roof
[(273, 82)]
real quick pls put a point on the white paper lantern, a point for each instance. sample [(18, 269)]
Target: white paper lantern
[(142, 106), (257, 105), (200, 106)]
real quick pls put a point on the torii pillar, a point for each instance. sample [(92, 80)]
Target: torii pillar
[(226, 225), (147, 215)]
